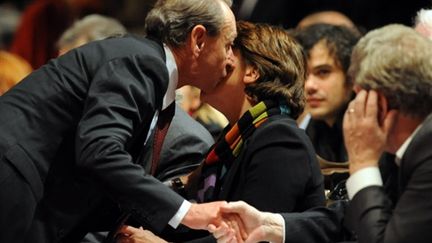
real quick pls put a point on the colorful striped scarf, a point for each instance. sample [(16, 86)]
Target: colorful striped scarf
[(229, 146)]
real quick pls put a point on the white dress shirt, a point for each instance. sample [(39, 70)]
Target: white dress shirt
[(168, 98)]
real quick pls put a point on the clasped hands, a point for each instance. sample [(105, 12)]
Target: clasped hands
[(243, 223), (228, 222)]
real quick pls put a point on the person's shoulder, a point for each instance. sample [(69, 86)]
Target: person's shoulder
[(139, 44), (418, 150), (279, 129), (121, 51), (281, 122), (184, 126)]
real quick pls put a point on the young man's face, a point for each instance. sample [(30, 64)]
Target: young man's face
[(325, 87)]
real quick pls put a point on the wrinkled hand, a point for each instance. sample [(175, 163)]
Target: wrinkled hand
[(200, 216), (257, 226), (366, 130), (129, 234)]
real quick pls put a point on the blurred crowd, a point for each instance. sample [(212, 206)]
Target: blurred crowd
[(298, 96)]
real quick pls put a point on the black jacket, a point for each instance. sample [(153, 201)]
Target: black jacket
[(74, 128), (374, 216)]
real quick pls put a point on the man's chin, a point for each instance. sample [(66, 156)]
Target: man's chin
[(317, 114)]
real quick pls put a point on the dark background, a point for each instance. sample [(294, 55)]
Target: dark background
[(367, 14)]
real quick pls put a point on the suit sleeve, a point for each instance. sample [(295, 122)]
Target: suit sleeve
[(279, 174), (320, 224), (121, 102), (371, 215)]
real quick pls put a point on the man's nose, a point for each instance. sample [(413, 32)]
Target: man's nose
[(311, 84)]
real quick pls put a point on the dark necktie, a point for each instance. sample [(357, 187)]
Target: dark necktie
[(161, 129)]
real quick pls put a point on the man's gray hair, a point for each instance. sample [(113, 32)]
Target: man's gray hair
[(170, 21), (396, 61), (92, 27)]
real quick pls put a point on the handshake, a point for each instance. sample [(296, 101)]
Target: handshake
[(228, 222), (243, 223)]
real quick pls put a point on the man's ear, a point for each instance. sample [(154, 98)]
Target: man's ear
[(382, 108), (197, 39), (251, 74)]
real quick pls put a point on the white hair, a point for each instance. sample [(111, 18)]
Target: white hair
[(92, 27), (423, 22)]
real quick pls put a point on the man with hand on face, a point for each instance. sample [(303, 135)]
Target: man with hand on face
[(72, 130), (391, 68), (392, 72)]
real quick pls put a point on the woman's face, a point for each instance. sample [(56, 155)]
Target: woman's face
[(228, 96)]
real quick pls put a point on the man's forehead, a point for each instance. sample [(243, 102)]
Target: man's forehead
[(321, 53), (229, 29)]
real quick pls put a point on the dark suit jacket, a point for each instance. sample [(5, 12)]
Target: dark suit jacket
[(74, 127), (277, 170), (316, 225), (373, 216)]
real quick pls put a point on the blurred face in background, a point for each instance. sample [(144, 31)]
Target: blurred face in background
[(326, 88)]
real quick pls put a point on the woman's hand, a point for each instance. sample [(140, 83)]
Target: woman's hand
[(129, 234)]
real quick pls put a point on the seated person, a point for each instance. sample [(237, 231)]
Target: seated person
[(263, 157), (328, 92), (328, 49)]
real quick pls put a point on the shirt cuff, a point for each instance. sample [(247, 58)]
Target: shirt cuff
[(181, 213), (282, 220), (363, 178)]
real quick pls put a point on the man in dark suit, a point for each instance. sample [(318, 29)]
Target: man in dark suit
[(72, 130), (392, 72), (392, 66)]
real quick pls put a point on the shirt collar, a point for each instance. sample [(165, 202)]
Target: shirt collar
[(171, 65), (402, 149)]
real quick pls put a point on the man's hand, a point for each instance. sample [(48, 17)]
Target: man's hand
[(258, 226), (200, 216), (366, 126)]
